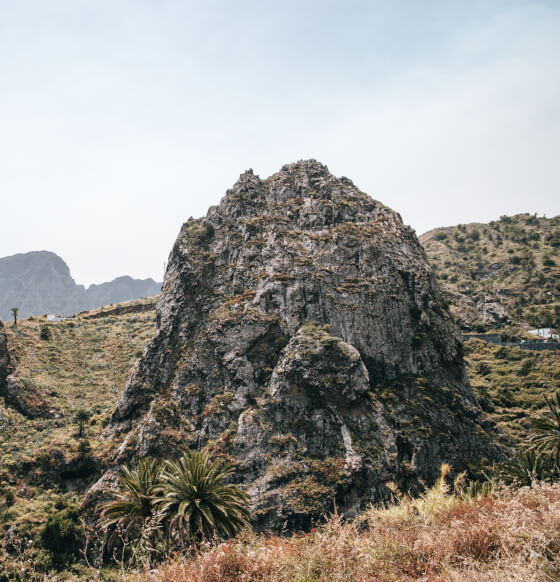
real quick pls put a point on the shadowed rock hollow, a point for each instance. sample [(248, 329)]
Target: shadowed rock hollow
[(301, 334)]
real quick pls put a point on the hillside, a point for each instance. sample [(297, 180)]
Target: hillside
[(84, 363), (39, 282), (60, 368), (506, 270)]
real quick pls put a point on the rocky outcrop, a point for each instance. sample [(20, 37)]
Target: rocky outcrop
[(301, 335), (27, 399), (472, 309), (39, 282), (491, 310), (5, 365)]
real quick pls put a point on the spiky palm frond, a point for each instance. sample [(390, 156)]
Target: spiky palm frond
[(193, 496), (133, 506), (544, 435), (526, 468)]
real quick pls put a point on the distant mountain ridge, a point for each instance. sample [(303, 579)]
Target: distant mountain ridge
[(40, 282)]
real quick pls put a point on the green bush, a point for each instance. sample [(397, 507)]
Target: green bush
[(526, 367), (62, 536), (45, 332), (482, 368)]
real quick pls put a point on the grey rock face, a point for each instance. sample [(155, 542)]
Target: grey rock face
[(119, 290), (301, 335), (490, 308), (4, 356), (39, 282)]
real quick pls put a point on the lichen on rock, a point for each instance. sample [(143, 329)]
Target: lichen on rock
[(301, 335)]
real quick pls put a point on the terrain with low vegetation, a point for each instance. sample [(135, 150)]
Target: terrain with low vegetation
[(505, 271), (59, 370), (301, 345), (36, 487)]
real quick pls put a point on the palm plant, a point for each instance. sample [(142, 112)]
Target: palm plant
[(544, 435), (195, 500), (133, 506), (526, 468)]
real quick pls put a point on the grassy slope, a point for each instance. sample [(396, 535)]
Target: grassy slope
[(510, 382), (84, 364), (515, 258)]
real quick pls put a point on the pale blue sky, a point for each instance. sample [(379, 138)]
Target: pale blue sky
[(120, 119)]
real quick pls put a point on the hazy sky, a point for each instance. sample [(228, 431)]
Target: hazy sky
[(119, 119)]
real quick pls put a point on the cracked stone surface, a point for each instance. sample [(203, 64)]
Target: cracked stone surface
[(301, 335)]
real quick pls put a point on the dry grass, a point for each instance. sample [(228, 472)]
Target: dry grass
[(84, 364), (440, 537)]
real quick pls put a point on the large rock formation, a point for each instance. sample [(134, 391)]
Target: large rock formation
[(40, 282), (301, 334)]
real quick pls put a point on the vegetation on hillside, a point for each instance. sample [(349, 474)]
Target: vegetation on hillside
[(514, 259), (506, 536), (79, 367), (511, 383)]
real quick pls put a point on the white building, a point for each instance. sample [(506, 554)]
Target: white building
[(544, 333)]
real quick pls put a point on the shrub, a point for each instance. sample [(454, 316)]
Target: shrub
[(482, 368), (526, 367), (45, 332), (62, 536), (545, 430), (474, 235), (194, 497)]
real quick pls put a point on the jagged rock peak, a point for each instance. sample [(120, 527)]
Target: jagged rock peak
[(301, 334)]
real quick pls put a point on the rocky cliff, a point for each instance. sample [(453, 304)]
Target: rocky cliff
[(39, 282), (4, 357), (301, 334)]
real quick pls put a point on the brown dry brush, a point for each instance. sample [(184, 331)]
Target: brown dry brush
[(513, 536)]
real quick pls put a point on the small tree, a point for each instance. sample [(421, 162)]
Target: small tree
[(15, 311), (45, 332), (132, 510), (80, 418), (197, 502)]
